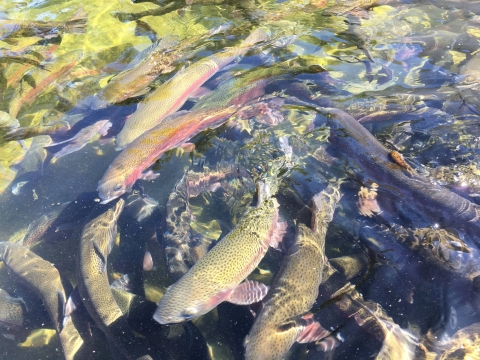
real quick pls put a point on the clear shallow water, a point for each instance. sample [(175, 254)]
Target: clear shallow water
[(405, 71)]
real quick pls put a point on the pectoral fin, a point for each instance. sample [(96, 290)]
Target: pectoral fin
[(312, 330), (149, 175), (277, 234), (141, 92), (247, 293)]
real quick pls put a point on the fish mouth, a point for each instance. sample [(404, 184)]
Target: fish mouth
[(106, 201)]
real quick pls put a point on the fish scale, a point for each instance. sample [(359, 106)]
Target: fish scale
[(170, 96)]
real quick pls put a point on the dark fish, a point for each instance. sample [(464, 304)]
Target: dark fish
[(376, 163), (60, 222), (37, 228), (44, 279), (137, 225), (12, 317), (30, 169)]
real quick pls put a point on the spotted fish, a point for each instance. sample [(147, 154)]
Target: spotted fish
[(128, 166), (96, 243), (218, 276), (284, 318), (44, 279), (170, 96)]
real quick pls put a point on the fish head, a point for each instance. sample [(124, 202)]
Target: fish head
[(170, 310), (99, 103), (110, 189)]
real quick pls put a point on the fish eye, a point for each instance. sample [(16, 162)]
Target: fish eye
[(189, 313), (117, 187)]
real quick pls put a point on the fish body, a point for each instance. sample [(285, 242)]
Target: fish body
[(40, 226), (29, 94), (144, 151), (97, 240), (7, 121), (182, 248), (295, 288), (30, 169), (24, 28), (11, 310), (39, 275), (170, 96), (82, 138), (366, 152), (470, 73), (13, 317), (133, 82), (216, 275)]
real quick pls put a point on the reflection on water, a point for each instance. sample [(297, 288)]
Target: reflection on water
[(298, 179)]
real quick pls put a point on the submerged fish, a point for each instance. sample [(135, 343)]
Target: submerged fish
[(171, 95), (44, 280), (284, 318), (142, 153), (81, 138), (97, 240), (40, 226), (218, 276), (26, 94), (25, 28), (11, 310), (377, 164), (30, 169), (132, 82), (159, 58)]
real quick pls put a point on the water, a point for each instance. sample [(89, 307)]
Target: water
[(404, 240)]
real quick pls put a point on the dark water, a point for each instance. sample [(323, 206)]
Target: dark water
[(404, 238)]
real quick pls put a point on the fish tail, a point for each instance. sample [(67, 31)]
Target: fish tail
[(77, 23)]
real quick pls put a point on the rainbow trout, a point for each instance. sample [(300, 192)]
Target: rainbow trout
[(218, 276), (96, 243), (161, 57), (155, 60), (26, 94), (145, 150), (45, 281), (170, 96), (284, 318), (182, 247)]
